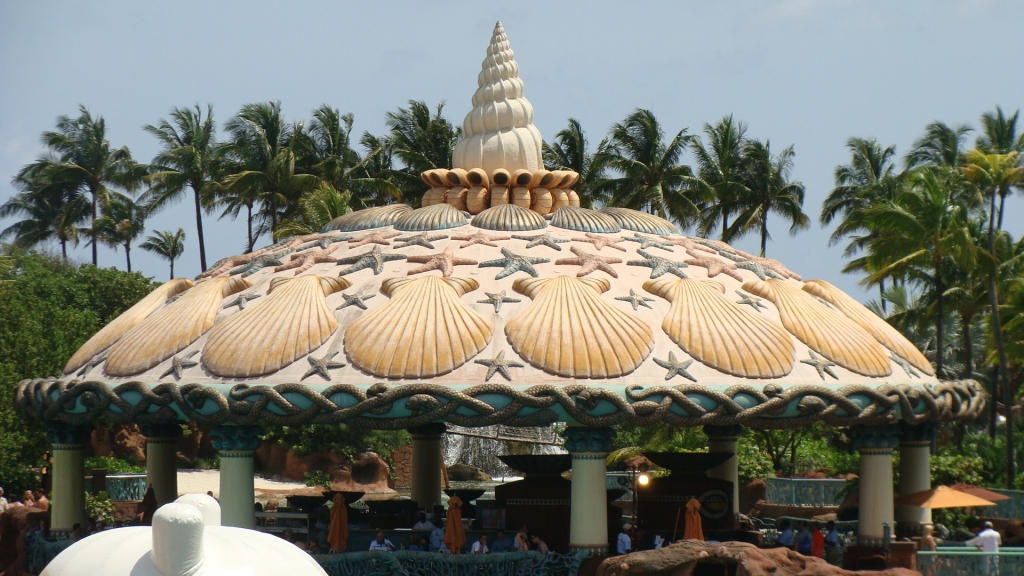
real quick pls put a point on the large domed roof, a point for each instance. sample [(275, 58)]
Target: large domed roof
[(461, 305)]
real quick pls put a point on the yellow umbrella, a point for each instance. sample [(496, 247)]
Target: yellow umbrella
[(454, 534), (942, 497), (338, 533)]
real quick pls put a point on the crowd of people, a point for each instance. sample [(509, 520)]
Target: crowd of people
[(29, 499)]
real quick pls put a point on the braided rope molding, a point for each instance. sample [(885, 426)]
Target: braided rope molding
[(84, 402)]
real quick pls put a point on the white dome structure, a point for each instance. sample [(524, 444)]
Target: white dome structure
[(182, 542)]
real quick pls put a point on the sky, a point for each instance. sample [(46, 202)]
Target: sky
[(807, 73)]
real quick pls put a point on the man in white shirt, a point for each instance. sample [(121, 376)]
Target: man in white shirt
[(423, 523), (988, 541), (382, 543), (480, 546), (623, 545)]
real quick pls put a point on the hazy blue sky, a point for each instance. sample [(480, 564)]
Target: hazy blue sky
[(803, 72)]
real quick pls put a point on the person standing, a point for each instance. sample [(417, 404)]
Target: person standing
[(541, 545), (785, 539), (831, 543), (988, 541), (42, 502), (802, 542), (624, 544), (28, 499), (436, 539), (3, 502), (522, 541), (817, 541)]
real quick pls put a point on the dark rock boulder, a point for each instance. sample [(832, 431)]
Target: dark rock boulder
[(467, 473), (684, 558)]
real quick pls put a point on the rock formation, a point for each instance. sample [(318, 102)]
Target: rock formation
[(683, 558)]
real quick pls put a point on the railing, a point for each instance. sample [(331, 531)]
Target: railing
[(804, 491), (405, 563), (1007, 562), (126, 487), (1012, 508), (39, 551)]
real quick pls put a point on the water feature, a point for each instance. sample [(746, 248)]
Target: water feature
[(480, 447)]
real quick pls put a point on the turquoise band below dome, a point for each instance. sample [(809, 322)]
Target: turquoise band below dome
[(383, 406)]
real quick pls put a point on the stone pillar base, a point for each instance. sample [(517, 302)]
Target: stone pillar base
[(236, 445), (425, 485), (588, 515)]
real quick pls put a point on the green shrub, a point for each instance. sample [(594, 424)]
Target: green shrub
[(100, 507), (112, 465)]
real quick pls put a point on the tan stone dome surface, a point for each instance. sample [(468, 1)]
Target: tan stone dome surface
[(461, 304)]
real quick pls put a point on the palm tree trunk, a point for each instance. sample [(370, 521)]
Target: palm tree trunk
[(938, 324), (994, 378), (199, 232), (881, 295), (172, 269), (95, 207), (764, 235), (249, 221), (128, 255), (725, 225), (64, 249), (997, 328), (966, 319), (1002, 201)]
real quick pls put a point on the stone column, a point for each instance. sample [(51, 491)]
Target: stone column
[(68, 494), (162, 459), (236, 445), (725, 439), (425, 487), (588, 518), (875, 444), (915, 475)]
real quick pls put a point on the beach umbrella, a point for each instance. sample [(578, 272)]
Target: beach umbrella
[(338, 533), (980, 492), (942, 497), (454, 534), (693, 530)]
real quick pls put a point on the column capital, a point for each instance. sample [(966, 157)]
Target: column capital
[(165, 429), (236, 438), (879, 439), (60, 433), (431, 429), (580, 439), (723, 432), (922, 434)]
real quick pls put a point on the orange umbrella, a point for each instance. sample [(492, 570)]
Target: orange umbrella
[(338, 533), (980, 492), (454, 534), (693, 530), (942, 497)]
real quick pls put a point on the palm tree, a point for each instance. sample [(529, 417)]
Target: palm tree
[(82, 160), (122, 222), (264, 164), (49, 211), (650, 175), (191, 158), (325, 150), (917, 234), (995, 174), (999, 136), (720, 172), (867, 180), (769, 190), (941, 145), (421, 141), (316, 209), (569, 151), (168, 245)]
